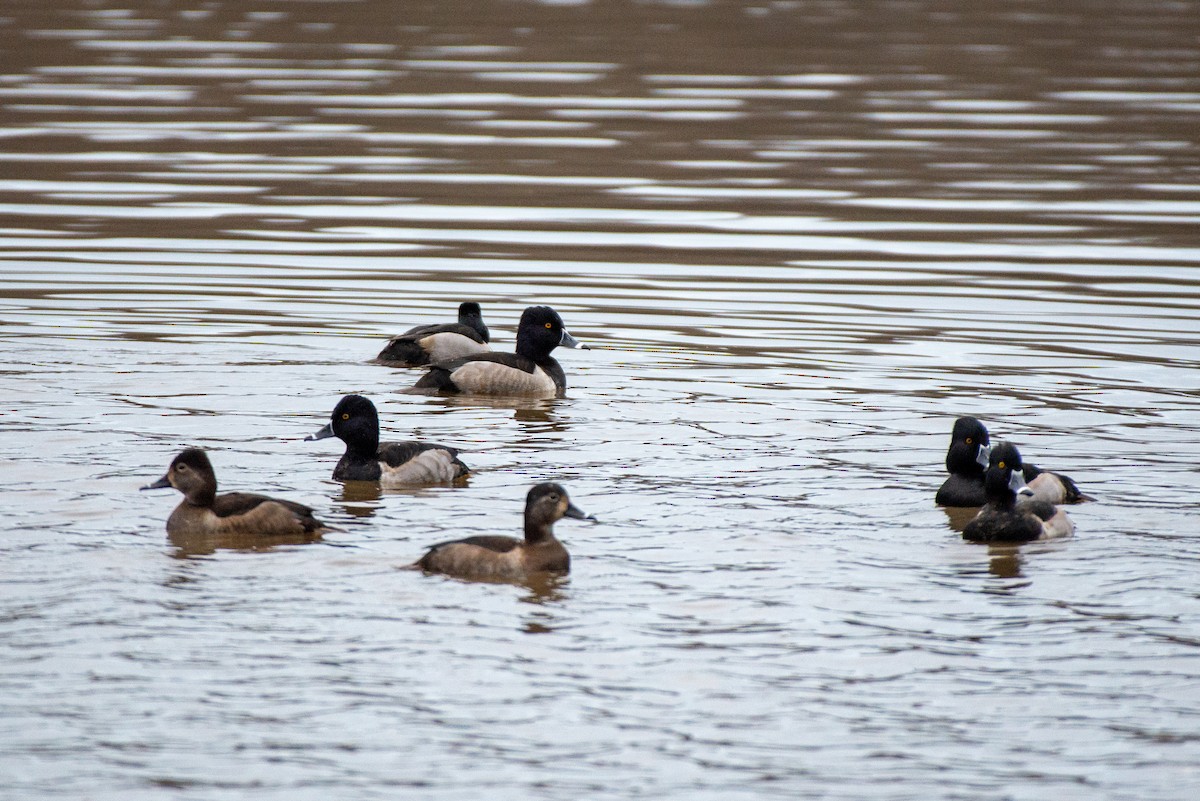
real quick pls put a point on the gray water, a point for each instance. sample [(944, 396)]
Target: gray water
[(801, 238)]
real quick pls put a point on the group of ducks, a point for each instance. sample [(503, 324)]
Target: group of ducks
[(1020, 502), (460, 360)]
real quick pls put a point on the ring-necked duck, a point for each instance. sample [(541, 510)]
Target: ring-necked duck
[(429, 344), (966, 459), (965, 462), (530, 372), (1006, 518), (507, 558), (356, 423), (240, 514)]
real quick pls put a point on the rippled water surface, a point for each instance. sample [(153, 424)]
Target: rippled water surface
[(800, 237)]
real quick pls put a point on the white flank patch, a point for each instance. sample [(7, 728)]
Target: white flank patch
[(427, 467), (445, 347)]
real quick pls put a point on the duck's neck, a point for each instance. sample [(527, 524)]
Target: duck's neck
[(202, 496), (537, 532), (364, 444), (530, 348)]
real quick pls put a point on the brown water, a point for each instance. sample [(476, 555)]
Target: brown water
[(800, 237)]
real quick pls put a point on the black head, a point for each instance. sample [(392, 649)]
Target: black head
[(192, 474), (469, 314), (966, 440), (540, 331), (355, 422), (1003, 479)]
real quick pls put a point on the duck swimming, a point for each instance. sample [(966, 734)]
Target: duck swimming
[(430, 344), (966, 461), (355, 422), (234, 514), (1007, 518), (967, 458), (530, 372), (507, 558)]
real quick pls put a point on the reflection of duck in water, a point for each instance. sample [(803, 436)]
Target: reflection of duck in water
[(355, 422), (507, 558), (529, 372), (967, 458), (1006, 518), (425, 344), (232, 520)]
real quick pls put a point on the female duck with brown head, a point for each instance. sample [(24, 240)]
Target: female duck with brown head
[(507, 558), (239, 514)]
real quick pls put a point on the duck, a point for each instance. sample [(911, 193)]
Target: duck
[(1012, 513), (501, 558), (967, 459), (240, 516), (529, 372), (356, 422), (439, 342)]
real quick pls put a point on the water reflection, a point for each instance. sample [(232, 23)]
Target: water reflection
[(1004, 561), (188, 545), (359, 498)]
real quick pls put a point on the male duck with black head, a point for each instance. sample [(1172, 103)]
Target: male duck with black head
[(356, 423), (429, 344), (965, 462), (968, 457), (498, 558), (1007, 517), (531, 372), (241, 518)]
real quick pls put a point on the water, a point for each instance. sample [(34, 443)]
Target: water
[(800, 237)]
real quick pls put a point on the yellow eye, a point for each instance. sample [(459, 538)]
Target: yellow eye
[(549, 325), (1000, 465), (970, 441), (345, 416)]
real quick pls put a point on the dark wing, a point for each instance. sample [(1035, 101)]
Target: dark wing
[(241, 503), (1043, 509), (407, 349), (421, 331), (491, 542)]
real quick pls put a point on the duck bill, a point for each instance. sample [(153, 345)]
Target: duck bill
[(571, 342), (1016, 482), (325, 433), (162, 483), (577, 513), (982, 455)]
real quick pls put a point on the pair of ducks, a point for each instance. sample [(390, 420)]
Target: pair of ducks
[(455, 367), (1020, 502), (250, 518), (460, 359)]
